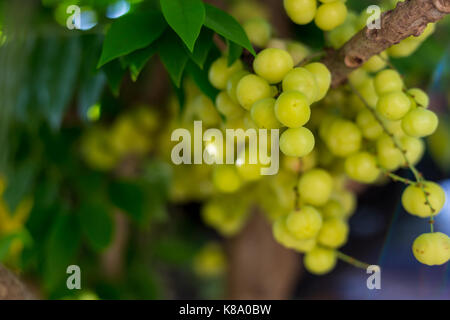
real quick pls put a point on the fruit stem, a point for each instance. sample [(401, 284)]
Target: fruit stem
[(396, 177), (350, 260), (417, 175)]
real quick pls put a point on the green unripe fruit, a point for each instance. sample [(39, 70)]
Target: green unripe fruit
[(233, 82), (330, 15), (420, 97), (393, 105), (420, 122), (273, 64), (228, 107), (362, 167), (258, 31), (252, 88), (226, 179), (220, 72), (292, 109), (343, 138), (300, 11), (432, 248), (334, 233), (302, 80), (263, 114), (315, 186), (388, 81), (297, 142), (414, 201), (322, 76), (305, 223), (320, 261)]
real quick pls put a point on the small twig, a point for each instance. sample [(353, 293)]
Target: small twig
[(350, 260)]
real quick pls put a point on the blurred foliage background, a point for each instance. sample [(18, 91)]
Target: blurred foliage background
[(85, 167)]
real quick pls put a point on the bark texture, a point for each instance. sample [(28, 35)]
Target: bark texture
[(409, 18), (259, 267)]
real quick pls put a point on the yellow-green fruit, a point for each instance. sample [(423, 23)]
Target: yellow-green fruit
[(370, 128), (297, 142), (258, 31), (227, 107), (284, 237), (300, 11), (404, 48), (226, 179), (414, 201), (320, 261), (248, 166), (210, 261), (298, 51), (432, 248), (388, 81), (315, 187), (292, 109), (420, 122), (393, 105), (220, 72), (420, 97), (252, 88), (233, 82), (205, 111), (343, 138), (302, 80), (305, 223), (414, 148), (273, 64), (362, 167), (322, 76), (333, 209), (331, 15), (263, 114), (347, 199), (389, 156), (376, 62), (334, 233)]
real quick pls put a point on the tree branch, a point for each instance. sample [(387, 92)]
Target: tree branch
[(407, 19)]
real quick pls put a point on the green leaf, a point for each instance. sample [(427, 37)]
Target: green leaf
[(62, 248), (227, 26), (200, 77), (202, 47), (130, 197), (114, 73), (186, 18), (234, 52), (96, 224), (173, 56), (131, 32), (137, 60)]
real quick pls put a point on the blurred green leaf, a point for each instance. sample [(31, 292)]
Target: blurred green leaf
[(173, 56), (114, 73), (131, 32), (234, 52), (20, 182), (96, 224), (130, 197), (202, 47), (137, 60), (185, 17), (200, 77), (62, 247)]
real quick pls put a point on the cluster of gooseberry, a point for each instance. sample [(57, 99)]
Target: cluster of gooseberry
[(327, 16)]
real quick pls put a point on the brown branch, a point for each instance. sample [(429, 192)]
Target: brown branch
[(11, 288), (407, 19), (259, 267)]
